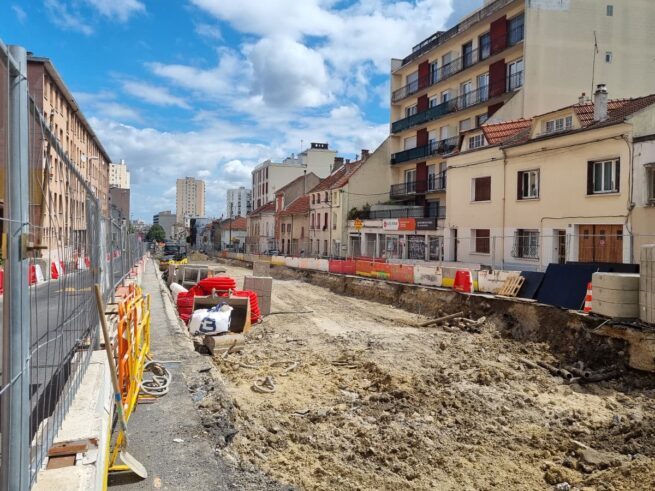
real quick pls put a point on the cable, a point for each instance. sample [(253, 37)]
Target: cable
[(160, 382)]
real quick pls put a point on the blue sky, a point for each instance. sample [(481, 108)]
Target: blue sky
[(210, 88)]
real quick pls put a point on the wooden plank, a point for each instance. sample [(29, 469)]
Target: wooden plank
[(512, 286), (69, 448)]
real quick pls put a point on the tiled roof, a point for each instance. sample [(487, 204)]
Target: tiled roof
[(617, 110), (496, 133), (339, 177), (298, 206), (263, 209), (239, 223)]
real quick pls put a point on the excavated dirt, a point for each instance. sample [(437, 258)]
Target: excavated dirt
[(364, 400)]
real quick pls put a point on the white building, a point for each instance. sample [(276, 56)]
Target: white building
[(238, 202), (119, 176), (190, 199), (167, 220), (269, 176)]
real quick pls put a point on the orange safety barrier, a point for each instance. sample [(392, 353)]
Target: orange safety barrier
[(341, 266), (463, 281)]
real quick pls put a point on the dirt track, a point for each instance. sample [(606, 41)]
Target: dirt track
[(375, 403)]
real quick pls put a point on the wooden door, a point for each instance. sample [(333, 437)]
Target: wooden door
[(586, 244), (608, 244)]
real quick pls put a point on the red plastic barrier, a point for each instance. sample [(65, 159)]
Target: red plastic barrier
[(87, 261), (54, 273), (2, 281), (371, 259), (185, 305), (401, 272), (32, 275), (341, 266), (463, 281)]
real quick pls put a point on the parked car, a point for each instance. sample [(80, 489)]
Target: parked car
[(272, 252)]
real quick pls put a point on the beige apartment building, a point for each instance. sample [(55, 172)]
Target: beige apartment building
[(119, 175), (189, 200), (574, 184), (268, 177), (61, 210), (509, 60)]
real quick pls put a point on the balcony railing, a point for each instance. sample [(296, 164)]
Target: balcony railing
[(408, 188), (403, 212), (514, 36), (441, 147), (435, 112), (436, 182)]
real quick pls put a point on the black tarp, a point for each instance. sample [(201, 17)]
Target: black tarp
[(531, 284)]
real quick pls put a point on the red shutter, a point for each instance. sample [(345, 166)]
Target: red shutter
[(618, 175), (422, 137), (421, 177), (423, 75), (590, 178), (498, 35), (497, 78), (422, 103), (519, 185)]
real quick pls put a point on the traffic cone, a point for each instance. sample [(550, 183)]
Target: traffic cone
[(587, 299)]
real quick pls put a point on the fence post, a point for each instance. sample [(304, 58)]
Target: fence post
[(15, 419)]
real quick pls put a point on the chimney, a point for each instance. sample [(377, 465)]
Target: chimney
[(338, 162), (365, 154), (600, 103), (582, 99)]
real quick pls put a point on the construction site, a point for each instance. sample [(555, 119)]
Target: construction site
[(343, 382)]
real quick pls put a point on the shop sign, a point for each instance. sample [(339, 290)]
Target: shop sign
[(426, 224)]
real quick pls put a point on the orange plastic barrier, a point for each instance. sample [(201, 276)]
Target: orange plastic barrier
[(341, 266), (463, 281)]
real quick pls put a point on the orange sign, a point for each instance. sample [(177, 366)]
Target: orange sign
[(406, 224)]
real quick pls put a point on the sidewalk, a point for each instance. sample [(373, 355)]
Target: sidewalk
[(152, 429)]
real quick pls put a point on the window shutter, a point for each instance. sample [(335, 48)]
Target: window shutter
[(617, 171), (519, 185), (590, 178)]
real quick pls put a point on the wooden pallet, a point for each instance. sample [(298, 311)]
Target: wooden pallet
[(511, 286)]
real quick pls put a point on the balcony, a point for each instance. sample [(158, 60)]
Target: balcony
[(408, 188), (441, 147), (436, 183), (478, 55), (437, 211)]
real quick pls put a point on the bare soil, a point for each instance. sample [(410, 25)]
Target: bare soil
[(364, 400)]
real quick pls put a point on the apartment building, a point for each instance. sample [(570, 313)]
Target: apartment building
[(574, 184), (294, 225), (238, 201), (261, 229), (189, 199), (119, 175), (268, 177), (167, 220), (509, 60), (62, 216)]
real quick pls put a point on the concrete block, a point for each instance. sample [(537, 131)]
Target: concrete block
[(264, 305), (611, 309), (615, 281), (261, 284), (261, 268), (615, 296)]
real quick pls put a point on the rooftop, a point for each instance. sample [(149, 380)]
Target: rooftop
[(496, 133), (299, 206)]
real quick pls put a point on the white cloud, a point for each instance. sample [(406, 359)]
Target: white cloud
[(60, 15), (209, 31), (104, 104), (121, 10), (153, 94), (21, 16)]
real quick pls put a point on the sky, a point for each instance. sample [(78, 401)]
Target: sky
[(211, 88)]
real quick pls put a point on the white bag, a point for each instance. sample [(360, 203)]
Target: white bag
[(196, 319), (217, 320)]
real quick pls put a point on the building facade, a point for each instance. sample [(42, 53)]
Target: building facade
[(62, 217), (189, 199), (238, 202), (268, 177), (119, 175), (571, 185), (293, 225), (505, 62), (261, 230), (166, 219), (119, 198)]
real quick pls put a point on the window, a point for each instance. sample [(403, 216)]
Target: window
[(483, 86), (515, 75), (411, 111), (467, 54), (318, 198), (482, 188), (446, 67), (412, 82), (480, 119), (434, 101), (650, 179), (313, 199), (481, 240), (515, 30), (528, 184), (434, 71), (610, 11), (608, 57), (466, 93), (410, 181), (559, 124), (465, 125), (318, 220), (445, 96), (312, 222), (325, 224), (485, 46), (409, 142), (526, 244), (432, 175), (476, 141), (603, 176)]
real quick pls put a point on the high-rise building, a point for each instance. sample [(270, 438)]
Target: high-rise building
[(190, 199), (269, 176), (119, 176), (238, 202), (508, 60), (63, 220)]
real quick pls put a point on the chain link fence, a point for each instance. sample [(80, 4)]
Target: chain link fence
[(56, 245)]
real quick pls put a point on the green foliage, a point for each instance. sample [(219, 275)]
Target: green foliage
[(156, 233)]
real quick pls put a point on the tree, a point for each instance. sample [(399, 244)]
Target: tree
[(156, 233)]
